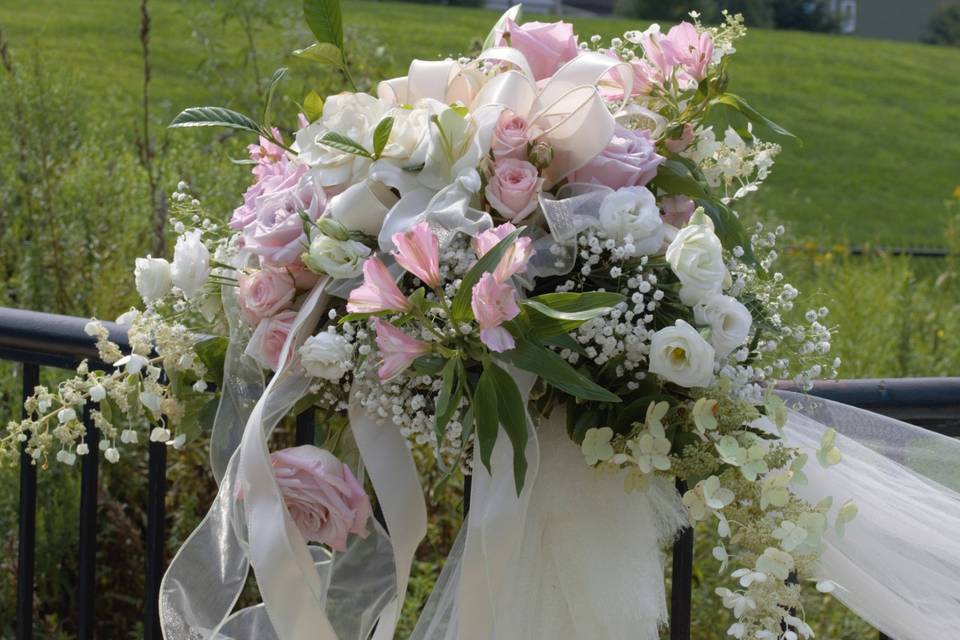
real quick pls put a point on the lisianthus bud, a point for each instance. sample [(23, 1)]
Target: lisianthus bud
[(540, 154), (334, 229)]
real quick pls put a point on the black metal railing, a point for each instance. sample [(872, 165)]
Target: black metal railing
[(39, 339)]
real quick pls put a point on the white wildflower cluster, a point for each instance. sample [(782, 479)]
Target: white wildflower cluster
[(733, 164), (725, 34), (121, 404)]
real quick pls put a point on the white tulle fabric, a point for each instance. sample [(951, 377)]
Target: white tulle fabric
[(898, 564)]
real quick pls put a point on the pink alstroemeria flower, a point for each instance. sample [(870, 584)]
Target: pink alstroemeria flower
[(514, 259), (378, 292), (397, 349), (493, 304), (418, 251)]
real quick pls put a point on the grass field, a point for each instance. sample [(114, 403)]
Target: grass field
[(878, 119)]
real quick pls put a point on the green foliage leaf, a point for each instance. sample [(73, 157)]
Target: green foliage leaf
[(274, 81), (739, 104), (428, 365), (534, 358), (730, 230), (325, 20), (215, 117), (460, 308), (345, 144), (555, 314), (381, 135), (212, 352), (513, 418), (324, 53), (485, 417), (313, 106), (674, 177), (448, 398)]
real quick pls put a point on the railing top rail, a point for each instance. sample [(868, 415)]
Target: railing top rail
[(51, 339)]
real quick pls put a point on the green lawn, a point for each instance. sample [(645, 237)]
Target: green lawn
[(879, 119)]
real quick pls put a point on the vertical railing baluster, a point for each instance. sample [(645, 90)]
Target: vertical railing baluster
[(87, 567), (305, 427), (156, 495), (884, 636), (27, 537), (681, 590)]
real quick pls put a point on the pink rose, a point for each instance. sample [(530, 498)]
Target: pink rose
[(323, 497), (677, 210), (303, 278), (630, 160), (266, 343), (494, 303), (511, 136), (513, 188), (265, 292), (676, 145), (545, 45), (276, 234), (271, 169)]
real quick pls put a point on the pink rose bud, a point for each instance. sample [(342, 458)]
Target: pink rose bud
[(264, 293), (397, 349), (513, 188), (493, 304), (418, 251), (677, 210), (266, 343), (676, 145), (378, 292), (510, 138), (540, 154), (323, 497), (547, 46)]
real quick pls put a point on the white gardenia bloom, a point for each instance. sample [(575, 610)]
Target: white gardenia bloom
[(191, 264), (354, 115), (340, 259), (326, 355), (696, 257), (409, 136), (728, 320), (680, 355), (633, 211), (152, 277)]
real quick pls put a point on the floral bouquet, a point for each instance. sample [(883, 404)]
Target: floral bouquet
[(526, 266)]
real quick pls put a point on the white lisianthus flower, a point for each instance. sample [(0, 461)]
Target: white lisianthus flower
[(152, 277), (680, 355), (633, 211), (340, 259), (326, 355), (354, 115), (191, 264), (696, 257), (728, 320)]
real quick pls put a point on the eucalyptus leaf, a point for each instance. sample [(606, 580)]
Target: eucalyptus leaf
[(325, 20), (460, 307), (345, 144), (381, 135), (215, 117)]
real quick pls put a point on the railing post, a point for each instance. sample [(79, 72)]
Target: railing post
[(86, 561), (27, 537), (156, 513), (681, 590)]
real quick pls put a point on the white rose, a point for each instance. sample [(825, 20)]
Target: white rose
[(696, 256), (362, 207), (326, 355), (728, 320), (191, 264), (409, 137), (340, 259), (354, 115), (633, 211), (680, 355), (152, 276)]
